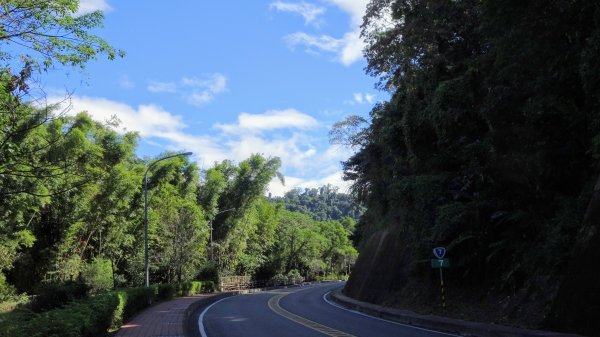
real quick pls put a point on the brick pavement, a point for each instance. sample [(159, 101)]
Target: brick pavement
[(164, 319)]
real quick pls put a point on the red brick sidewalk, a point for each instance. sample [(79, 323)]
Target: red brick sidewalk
[(163, 319)]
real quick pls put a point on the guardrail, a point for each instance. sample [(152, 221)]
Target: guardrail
[(232, 283)]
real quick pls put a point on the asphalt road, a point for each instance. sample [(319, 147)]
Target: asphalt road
[(301, 311)]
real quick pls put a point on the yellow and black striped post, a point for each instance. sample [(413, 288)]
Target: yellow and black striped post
[(442, 290), (441, 263)]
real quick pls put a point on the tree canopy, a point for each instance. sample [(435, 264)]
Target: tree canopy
[(323, 203), (489, 142), (45, 32)]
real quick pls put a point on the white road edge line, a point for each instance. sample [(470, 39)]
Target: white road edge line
[(201, 317), (380, 319)]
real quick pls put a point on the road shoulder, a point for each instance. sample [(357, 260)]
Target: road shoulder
[(437, 323)]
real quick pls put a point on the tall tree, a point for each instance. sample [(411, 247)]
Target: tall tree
[(239, 187)]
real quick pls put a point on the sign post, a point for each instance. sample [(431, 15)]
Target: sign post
[(440, 263)]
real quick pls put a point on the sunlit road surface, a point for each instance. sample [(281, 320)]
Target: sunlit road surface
[(298, 312)]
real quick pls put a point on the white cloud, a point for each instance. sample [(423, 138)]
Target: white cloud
[(290, 138), (352, 49), (347, 49), (356, 9), (358, 98), (89, 6), (125, 82), (157, 86), (270, 120), (362, 98), (323, 42), (215, 84), (309, 12), (147, 119), (335, 179), (204, 89), (197, 91)]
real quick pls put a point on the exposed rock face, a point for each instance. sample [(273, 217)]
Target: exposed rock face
[(380, 268)]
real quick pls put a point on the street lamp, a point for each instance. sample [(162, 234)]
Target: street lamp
[(212, 257), (146, 266)]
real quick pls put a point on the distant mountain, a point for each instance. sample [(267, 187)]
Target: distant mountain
[(323, 203)]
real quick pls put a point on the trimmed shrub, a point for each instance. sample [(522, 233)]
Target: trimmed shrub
[(184, 288), (54, 295), (196, 287), (279, 280), (93, 316), (166, 291), (209, 272), (136, 299), (207, 287), (88, 318)]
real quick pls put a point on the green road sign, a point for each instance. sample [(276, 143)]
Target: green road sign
[(440, 263)]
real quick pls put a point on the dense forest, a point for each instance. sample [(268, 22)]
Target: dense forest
[(489, 146), (72, 188), (323, 203)]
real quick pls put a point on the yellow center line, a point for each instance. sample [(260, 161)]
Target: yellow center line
[(274, 305)]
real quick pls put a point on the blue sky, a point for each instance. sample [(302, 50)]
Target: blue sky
[(225, 79)]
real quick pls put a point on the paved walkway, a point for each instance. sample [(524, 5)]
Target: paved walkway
[(165, 319)]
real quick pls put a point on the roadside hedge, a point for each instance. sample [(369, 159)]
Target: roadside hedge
[(96, 316)]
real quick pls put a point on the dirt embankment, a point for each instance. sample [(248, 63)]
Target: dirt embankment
[(384, 274)]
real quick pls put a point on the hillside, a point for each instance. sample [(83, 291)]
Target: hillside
[(323, 203), (488, 146)]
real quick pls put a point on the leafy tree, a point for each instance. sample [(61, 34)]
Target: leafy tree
[(42, 155), (178, 238), (76, 225), (298, 242), (53, 30), (337, 251), (240, 187)]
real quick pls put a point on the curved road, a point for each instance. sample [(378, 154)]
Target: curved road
[(301, 311)]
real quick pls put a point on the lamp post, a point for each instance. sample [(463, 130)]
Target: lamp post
[(212, 257), (146, 266)]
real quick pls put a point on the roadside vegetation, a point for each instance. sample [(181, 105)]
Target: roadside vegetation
[(489, 146), (71, 201)]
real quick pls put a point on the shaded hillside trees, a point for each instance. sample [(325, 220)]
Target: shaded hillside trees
[(489, 143)]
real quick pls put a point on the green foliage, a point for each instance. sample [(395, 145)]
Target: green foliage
[(55, 295), (207, 287), (87, 318), (94, 316), (208, 272), (241, 237), (490, 136), (132, 301), (7, 291), (54, 31), (72, 190), (166, 291), (178, 232), (99, 274), (323, 203)]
